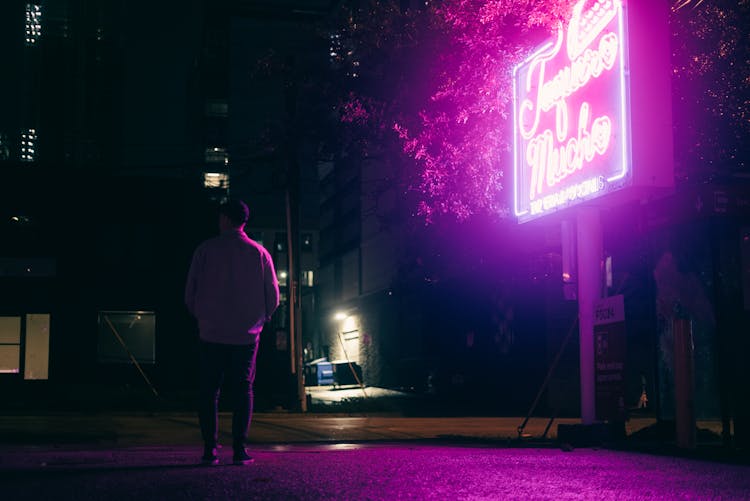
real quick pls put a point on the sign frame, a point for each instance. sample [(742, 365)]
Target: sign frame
[(592, 110)]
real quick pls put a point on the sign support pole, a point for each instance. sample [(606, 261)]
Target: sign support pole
[(590, 248)]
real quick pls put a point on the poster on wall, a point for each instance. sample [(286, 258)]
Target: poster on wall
[(609, 358)]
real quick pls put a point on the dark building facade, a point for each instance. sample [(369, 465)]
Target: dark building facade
[(59, 123), (101, 203)]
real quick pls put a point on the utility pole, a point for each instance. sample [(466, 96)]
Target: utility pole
[(295, 322), (292, 232)]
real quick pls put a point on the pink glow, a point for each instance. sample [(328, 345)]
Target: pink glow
[(454, 124), (555, 164), (571, 140)]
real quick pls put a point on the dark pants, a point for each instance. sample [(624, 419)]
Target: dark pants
[(237, 363)]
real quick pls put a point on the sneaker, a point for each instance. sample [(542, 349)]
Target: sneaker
[(210, 458), (241, 457)]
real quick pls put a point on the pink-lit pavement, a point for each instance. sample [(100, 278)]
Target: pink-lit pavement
[(155, 456), (374, 471)]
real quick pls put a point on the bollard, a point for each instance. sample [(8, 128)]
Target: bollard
[(684, 383)]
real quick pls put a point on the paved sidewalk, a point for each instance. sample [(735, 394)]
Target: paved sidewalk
[(154, 429), (24, 429), (123, 429)]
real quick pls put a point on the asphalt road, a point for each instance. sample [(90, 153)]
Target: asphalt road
[(155, 456), (367, 471)]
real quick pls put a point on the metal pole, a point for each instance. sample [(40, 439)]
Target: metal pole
[(684, 382), (301, 397), (291, 96), (290, 283), (589, 247), (295, 331)]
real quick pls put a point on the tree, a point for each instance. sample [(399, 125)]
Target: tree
[(711, 88), (437, 79)]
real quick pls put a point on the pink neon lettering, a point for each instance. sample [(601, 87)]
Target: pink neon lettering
[(527, 104), (591, 64), (550, 164)]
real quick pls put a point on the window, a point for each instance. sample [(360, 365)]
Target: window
[(307, 278), (10, 345), (28, 145), (216, 180), (33, 23), (216, 155), (36, 347)]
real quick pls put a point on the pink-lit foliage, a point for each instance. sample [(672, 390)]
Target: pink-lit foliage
[(449, 108)]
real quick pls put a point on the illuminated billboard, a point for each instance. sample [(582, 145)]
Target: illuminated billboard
[(574, 137)]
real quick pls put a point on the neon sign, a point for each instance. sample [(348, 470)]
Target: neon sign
[(571, 119)]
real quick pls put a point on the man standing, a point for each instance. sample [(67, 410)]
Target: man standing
[(232, 291)]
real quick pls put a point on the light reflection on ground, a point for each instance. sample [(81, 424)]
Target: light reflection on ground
[(367, 471)]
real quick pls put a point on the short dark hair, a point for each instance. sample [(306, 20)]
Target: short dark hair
[(235, 210)]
